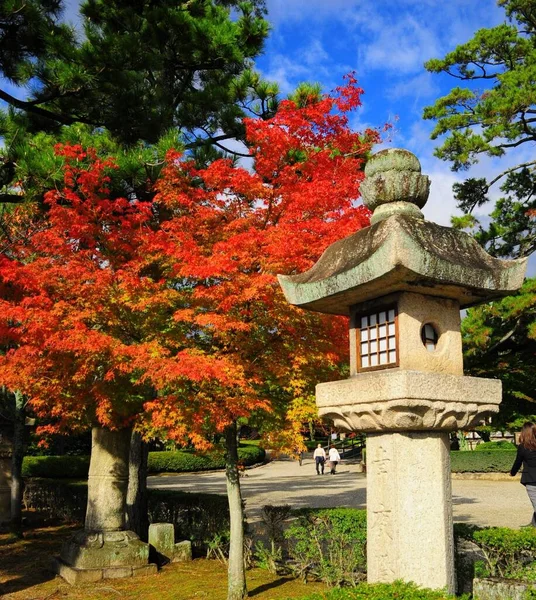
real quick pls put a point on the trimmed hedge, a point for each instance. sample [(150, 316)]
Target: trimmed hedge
[(381, 591), (179, 461), (56, 467), (485, 461), (501, 445), (184, 461), (197, 517)]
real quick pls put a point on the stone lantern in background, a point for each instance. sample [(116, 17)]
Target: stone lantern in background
[(402, 281), (6, 453)]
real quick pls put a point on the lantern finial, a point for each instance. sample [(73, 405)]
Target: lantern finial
[(394, 185)]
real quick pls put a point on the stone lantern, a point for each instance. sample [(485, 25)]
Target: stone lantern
[(6, 453), (402, 281)]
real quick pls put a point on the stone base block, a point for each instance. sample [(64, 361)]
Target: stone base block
[(500, 589), (76, 576), (162, 539), (105, 550), (183, 552)]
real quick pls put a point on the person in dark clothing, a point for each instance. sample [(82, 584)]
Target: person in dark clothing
[(526, 456)]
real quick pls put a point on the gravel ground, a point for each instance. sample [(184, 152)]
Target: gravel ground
[(491, 503)]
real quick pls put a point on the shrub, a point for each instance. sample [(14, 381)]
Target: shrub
[(381, 591), (501, 445), (197, 517), (58, 499), (311, 445), (273, 519), (485, 461), (56, 467), (179, 461), (509, 553), (329, 544)]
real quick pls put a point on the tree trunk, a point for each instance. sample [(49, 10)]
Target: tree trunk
[(485, 435), (236, 588), (19, 432), (136, 509)]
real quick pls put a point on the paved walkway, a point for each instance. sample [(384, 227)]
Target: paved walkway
[(491, 503)]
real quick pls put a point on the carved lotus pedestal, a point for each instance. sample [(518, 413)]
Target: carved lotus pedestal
[(408, 415)]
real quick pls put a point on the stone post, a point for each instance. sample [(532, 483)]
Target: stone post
[(108, 480), (409, 509), (104, 549), (402, 282)]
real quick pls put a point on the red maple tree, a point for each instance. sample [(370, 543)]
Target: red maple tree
[(170, 312), (230, 232)]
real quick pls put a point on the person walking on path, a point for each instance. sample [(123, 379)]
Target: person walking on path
[(526, 456), (320, 459), (334, 459)]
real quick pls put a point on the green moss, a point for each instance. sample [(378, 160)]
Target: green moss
[(380, 591)]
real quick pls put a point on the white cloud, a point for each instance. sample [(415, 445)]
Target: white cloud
[(441, 204), (286, 72), (281, 12), (401, 47), (310, 62), (418, 87), (315, 54)]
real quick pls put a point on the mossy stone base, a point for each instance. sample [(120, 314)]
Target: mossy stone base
[(183, 551), (105, 550), (500, 589), (76, 576)]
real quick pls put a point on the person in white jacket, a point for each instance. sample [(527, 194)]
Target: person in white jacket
[(320, 459), (334, 458)]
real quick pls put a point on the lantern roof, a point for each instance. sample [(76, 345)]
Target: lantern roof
[(401, 251)]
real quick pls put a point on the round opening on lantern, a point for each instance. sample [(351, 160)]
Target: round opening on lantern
[(429, 336)]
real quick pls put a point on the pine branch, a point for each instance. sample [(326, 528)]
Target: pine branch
[(43, 112), (11, 199), (511, 170)]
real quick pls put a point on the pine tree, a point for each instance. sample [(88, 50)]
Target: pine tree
[(493, 113), (141, 74)]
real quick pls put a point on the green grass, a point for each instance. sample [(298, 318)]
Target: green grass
[(25, 575)]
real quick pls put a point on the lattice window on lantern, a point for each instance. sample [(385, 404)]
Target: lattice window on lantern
[(377, 340)]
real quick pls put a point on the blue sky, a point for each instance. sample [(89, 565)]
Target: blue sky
[(386, 43)]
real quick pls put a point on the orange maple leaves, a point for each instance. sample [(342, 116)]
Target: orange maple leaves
[(116, 312)]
